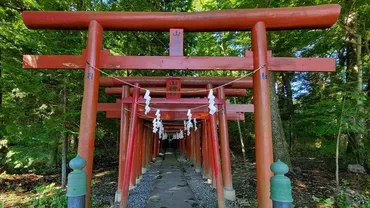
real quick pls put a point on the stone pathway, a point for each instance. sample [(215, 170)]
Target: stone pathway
[(171, 188)]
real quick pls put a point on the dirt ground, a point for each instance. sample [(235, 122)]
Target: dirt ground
[(18, 190), (313, 182)]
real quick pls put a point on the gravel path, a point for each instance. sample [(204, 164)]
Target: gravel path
[(205, 195), (171, 189), (138, 196), (169, 182), (103, 193)]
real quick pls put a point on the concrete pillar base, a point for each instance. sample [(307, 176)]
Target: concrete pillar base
[(229, 194), (131, 187), (138, 180), (143, 170), (198, 170), (117, 196)]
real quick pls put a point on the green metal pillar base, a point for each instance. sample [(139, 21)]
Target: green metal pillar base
[(281, 187), (77, 183)]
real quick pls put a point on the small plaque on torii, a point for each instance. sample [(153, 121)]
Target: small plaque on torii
[(173, 88)]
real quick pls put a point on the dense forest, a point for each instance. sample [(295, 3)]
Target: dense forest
[(316, 116)]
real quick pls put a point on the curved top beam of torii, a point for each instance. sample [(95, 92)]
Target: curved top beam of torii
[(311, 17)]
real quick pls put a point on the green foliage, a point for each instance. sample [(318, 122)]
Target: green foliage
[(49, 196), (21, 159), (345, 198), (327, 203)]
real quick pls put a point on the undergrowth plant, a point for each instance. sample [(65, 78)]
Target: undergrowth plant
[(345, 198), (49, 196)]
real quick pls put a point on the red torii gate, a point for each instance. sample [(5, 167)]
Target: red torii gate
[(178, 112), (256, 20), (165, 115)]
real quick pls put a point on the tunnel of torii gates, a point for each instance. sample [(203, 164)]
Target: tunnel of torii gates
[(175, 95)]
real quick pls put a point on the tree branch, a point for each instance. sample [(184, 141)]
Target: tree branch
[(348, 29)]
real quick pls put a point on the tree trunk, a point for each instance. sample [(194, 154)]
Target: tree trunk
[(80, 5), (354, 68), (73, 143), (242, 142), (65, 141), (337, 147), (53, 153), (358, 68), (278, 136), (289, 98)]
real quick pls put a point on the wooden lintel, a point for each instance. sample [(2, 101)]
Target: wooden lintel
[(180, 101), (177, 63), (231, 108), (175, 115)]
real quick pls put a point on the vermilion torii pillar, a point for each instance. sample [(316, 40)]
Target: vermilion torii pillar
[(150, 156), (192, 146), (137, 159), (257, 20), (205, 160), (216, 158), (198, 157), (124, 125), (144, 150), (212, 178), (262, 114), (90, 100), (155, 146), (133, 175), (130, 149), (225, 149), (188, 146)]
